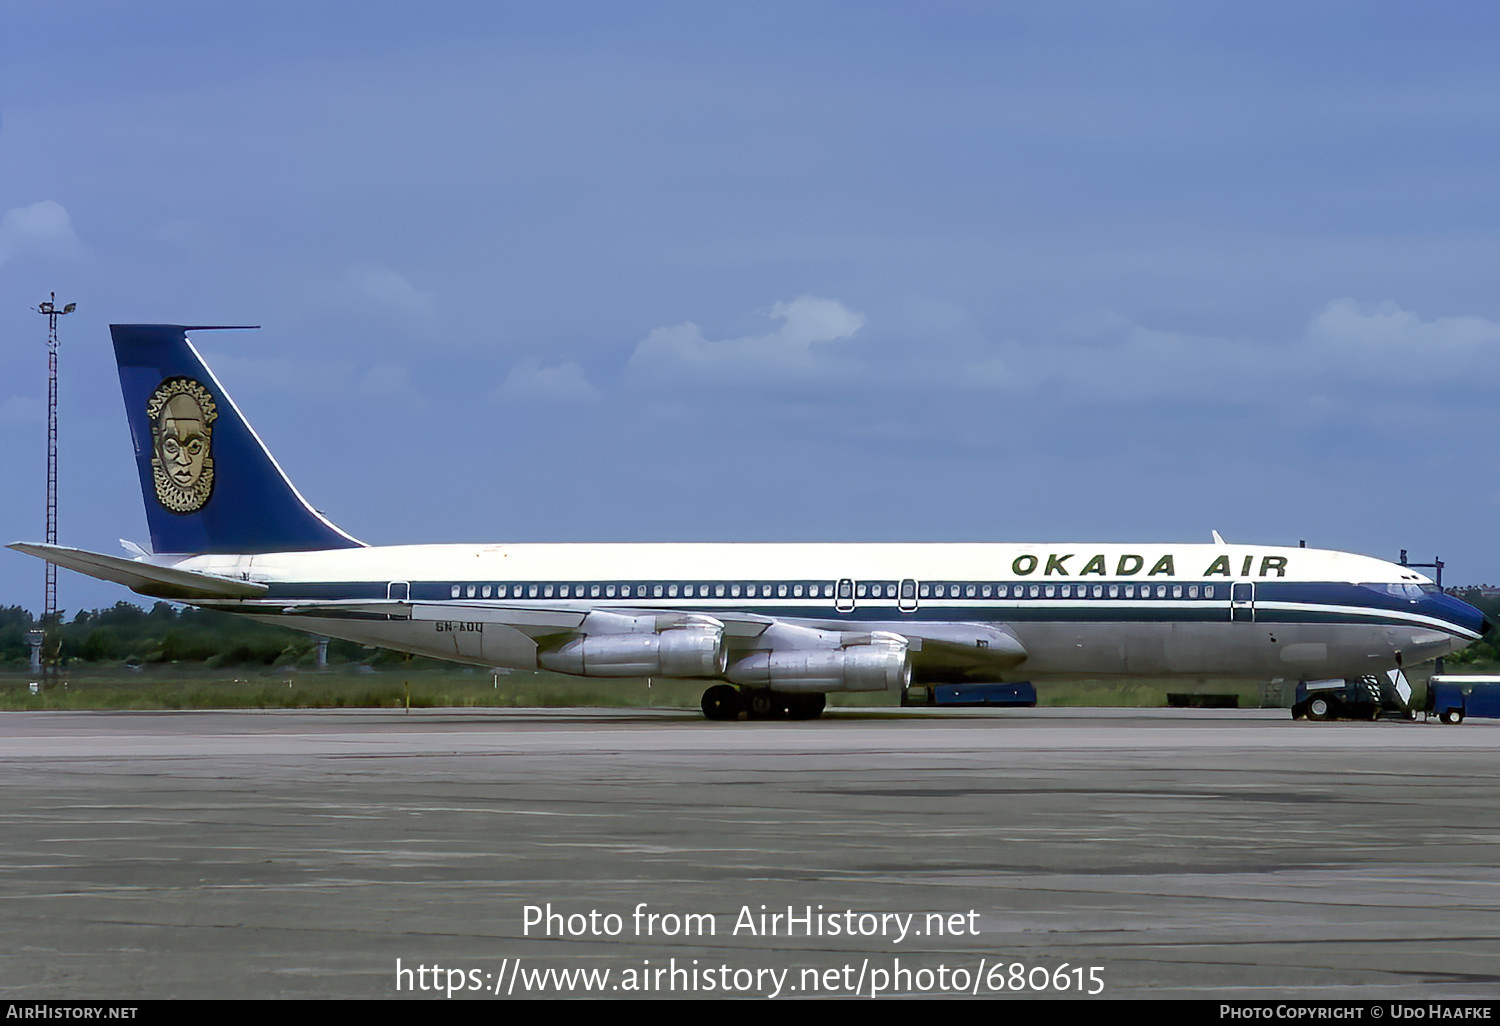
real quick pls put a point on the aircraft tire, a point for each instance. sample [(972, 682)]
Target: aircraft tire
[(764, 704), (1453, 716), (1320, 709), (721, 702), (807, 707)]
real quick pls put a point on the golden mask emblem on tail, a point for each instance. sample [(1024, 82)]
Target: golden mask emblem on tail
[(182, 414)]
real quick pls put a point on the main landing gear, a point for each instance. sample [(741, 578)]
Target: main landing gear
[(726, 702)]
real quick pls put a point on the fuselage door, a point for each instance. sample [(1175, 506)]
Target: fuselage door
[(908, 599), (1242, 602), (398, 591), (843, 599)]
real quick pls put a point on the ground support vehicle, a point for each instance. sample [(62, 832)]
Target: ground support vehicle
[(1363, 698), (1453, 696)]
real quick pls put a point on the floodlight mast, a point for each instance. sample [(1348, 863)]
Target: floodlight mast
[(50, 310)]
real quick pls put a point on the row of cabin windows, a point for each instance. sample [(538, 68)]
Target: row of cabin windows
[(1176, 591), (880, 590), (644, 591)]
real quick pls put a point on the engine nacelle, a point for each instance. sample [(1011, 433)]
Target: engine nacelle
[(878, 665), (691, 650)]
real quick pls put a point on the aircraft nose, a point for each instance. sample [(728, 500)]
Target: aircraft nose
[(1461, 614)]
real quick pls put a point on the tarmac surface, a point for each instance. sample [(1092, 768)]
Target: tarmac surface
[(1151, 853)]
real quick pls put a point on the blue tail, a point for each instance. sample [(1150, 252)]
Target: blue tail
[(210, 485)]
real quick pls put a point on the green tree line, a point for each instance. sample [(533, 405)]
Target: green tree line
[(125, 633)]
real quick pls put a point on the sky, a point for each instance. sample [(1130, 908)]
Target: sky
[(807, 271)]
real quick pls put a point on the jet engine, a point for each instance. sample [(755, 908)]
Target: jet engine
[(878, 662), (692, 648)]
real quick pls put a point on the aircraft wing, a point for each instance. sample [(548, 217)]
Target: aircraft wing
[(952, 649)]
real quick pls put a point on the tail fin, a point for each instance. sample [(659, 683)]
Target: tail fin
[(209, 483)]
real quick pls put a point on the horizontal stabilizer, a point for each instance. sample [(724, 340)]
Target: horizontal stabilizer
[(143, 578)]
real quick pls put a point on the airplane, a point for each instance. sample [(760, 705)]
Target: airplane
[(771, 629)]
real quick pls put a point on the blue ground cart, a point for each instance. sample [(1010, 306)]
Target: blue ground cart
[(1452, 696)]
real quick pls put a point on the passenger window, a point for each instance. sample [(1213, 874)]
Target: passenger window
[(1208, 591), (1114, 591), (1161, 591), (547, 591), (1177, 591), (1001, 590), (1192, 591), (593, 591), (719, 591), (610, 591), (781, 590), (1130, 591), (1051, 591), (453, 592), (563, 590), (1035, 590), (985, 591), (862, 590), (1098, 591), (657, 591), (734, 590)]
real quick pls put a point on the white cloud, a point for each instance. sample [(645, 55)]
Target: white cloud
[(562, 383), (1344, 349), (43, 227), (390, 381), (1387, 327), (20, 409), (279, 374), (390, 292), (1385, 343), (792, 350)]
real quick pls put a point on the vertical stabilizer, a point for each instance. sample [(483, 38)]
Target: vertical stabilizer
[(209, 483)]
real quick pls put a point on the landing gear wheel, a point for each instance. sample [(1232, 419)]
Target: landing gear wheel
[(1319, 710), (806, 707), (721, 702), (765, 705), (1452, 716)]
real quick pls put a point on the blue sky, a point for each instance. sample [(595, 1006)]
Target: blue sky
[(803, 271)]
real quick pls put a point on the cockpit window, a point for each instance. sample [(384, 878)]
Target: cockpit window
[(1403, 591)]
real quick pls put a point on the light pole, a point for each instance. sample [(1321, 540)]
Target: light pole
[(52, 312)]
